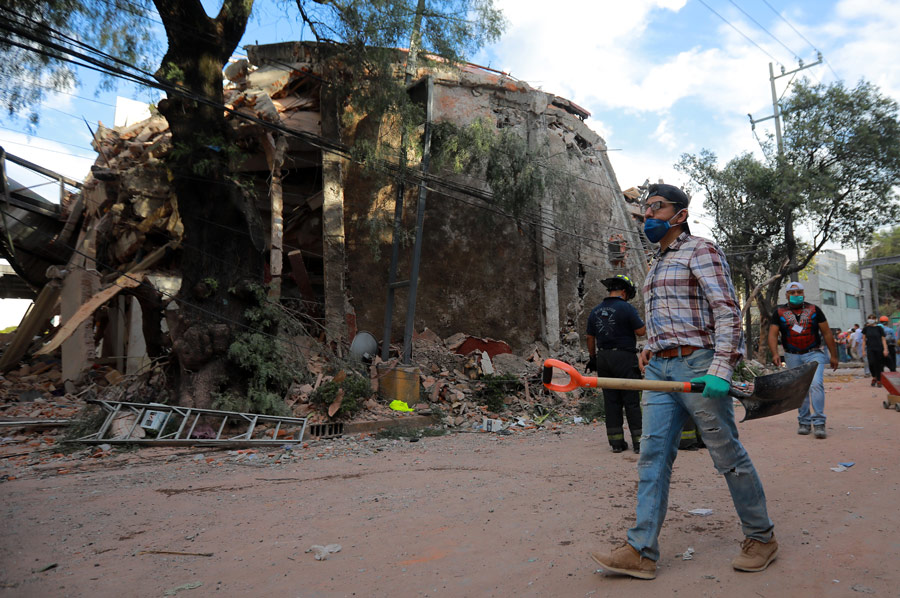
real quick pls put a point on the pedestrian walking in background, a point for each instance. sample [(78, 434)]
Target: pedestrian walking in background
[(841, 339), (875, 348), (612, 329), (803, 326)]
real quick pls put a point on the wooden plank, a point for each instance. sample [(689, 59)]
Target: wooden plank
[(39, 312), (85, 311)]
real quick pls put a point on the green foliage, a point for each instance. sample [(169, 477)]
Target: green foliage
[(207, 155), (356, 390), (212, 283), (28, 79), (262, 358), (496, 389), (518, 177), (842, 147), (591, 406), (86, 422), (744, 372), (836, 178), (8, 330), (368, 77)]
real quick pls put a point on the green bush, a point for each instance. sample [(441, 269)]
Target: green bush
[(591, 406), (356, 390), (496, 389)]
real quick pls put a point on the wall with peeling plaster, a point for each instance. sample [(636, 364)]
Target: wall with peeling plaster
[(482, 273)]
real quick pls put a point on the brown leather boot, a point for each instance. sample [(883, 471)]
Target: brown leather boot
[(627, 561), (755, 555)]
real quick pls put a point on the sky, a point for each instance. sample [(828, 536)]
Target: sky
[(660, 77)]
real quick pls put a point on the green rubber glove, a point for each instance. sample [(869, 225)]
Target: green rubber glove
[(716, 388)]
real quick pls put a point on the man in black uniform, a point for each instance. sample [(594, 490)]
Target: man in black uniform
[(611, 330)]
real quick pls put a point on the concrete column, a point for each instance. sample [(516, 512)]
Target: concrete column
[(333, 241), (136, 345), (78, 350)]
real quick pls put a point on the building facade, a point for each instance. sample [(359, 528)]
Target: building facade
[(835, 289)]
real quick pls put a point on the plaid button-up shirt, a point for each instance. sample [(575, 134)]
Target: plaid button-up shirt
[(690, 301)]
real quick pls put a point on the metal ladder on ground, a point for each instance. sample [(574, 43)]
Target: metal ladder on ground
[(170, 425)]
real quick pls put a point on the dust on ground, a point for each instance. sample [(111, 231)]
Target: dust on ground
[(466, 514)]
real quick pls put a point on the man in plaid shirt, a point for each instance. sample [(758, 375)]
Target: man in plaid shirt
[(694, 333)]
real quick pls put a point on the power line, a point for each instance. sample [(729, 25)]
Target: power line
[(44, 149), (727, 22), (758, 24), (81, 147), (315, 140), (782, 17)]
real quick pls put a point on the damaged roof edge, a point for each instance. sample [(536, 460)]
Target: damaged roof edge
[(293, 52)]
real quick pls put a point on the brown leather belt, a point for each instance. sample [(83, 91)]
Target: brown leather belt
[(673, 352)]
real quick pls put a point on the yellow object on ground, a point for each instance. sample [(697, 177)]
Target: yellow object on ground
[(400, 406)]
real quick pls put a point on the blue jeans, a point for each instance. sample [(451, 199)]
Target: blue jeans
[(664, 416), (816, 394)]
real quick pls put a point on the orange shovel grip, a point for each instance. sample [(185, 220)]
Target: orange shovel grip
[(576, 380)]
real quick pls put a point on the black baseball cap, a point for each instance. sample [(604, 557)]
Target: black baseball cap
[(670, 193), (673, 194)]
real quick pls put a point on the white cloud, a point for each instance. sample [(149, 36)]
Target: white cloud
[(48, 154), (598, 55)]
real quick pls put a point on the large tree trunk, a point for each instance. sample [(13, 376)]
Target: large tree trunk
[(218, 255)]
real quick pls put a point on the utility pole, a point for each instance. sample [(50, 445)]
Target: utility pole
[(412, 283), (776, 114)]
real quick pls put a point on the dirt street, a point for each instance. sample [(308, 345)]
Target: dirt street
[(469, 514)]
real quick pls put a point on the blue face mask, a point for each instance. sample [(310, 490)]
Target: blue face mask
[(795, 299), (656, 229)]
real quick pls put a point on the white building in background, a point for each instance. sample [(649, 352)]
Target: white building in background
[(835, 289)]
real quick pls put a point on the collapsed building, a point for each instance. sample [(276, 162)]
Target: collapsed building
[(519, 279)]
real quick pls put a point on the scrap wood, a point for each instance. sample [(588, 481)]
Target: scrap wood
[(86, 310), (336, 403), (175, 552), (34, 423), (39, 312)]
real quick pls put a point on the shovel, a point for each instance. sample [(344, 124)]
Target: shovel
[(770, 394)]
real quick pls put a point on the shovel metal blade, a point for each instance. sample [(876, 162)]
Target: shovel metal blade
[(779, 392)]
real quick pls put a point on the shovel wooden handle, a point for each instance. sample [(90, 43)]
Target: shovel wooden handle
[(576, 380)]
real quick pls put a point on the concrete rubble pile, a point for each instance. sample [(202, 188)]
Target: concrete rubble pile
[(132, 225)]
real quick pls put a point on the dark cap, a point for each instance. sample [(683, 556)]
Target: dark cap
[(671, 193)]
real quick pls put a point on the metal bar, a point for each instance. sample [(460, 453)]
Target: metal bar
[(191, 442), (420, 222), (42, 170), (137, 420), (879, 261), (797, 70), (178, 409), (184, 419), (194, 425), (109, 420), (116, 409)]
